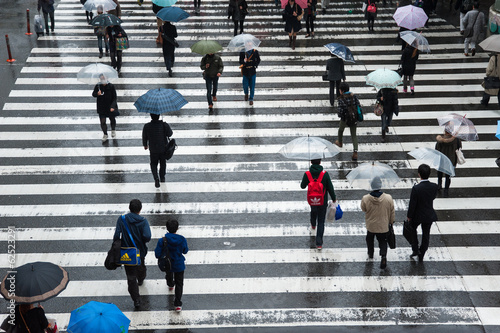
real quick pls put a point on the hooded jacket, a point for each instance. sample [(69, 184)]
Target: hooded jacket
[(315, 170), (177, 245), (379, 211), (139, 229), (216, 65)]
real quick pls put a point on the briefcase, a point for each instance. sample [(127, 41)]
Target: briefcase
[(409, 232)]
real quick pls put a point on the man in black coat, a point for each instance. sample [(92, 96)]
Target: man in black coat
[(154, 136), (336, 72), (421, 210)]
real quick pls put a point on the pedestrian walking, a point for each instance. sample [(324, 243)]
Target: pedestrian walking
[(197, 5), (169, 34), (370, 13), (324, 5), (117, 11), (388, 97), (447, 144), (47, 7), (421, 211), (491, 70), (159, 23), (348, 114), (474, 23), (28, 319), (249, 60), (212, 67), (88, 14), (464, 6), (379, 214), (100, 32), (292, 15), (335, 73), (318, 213), (141, 234), (408, 65), (107, 106), (237, 10), (112, 33), (310, 16), (177, 246), (155, 136)]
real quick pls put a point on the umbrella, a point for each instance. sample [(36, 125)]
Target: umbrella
[(410, 17), (172, 14), (498, 130), (35, 282), (491, 44), (459, 126), (97, 317), (206, 47), (105, 20), (435, 159), (160, 101), (91, 5), (301, 3), (497, 161), (416, 40), (91, 74), (363, 175), (340, 51), (243, 41), (164, 3), (383, 78), (309, 148)]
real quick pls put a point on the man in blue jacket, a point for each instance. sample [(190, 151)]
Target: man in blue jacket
[(141, 233), (177, 245)]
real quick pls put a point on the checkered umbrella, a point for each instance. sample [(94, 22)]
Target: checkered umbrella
[(459, 126), (160, 101)]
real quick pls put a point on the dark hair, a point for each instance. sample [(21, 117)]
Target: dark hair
[(155, 116), (475, 4), (172, 226), (344, 87), (424, 171), (135, 206), (316, 161)]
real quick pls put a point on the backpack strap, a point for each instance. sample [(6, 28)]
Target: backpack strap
[(129, 234), (319, 179), (321, 174), (309, 176)]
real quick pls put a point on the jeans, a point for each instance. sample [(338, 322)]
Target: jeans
[(46, 19), (342, 126), (334, 91), (318, 214), (211, 83), (249, 81), (382, 243), (134, 274), (177, 279), (99, 43), (154, 158), (386, 120), (426, 232)]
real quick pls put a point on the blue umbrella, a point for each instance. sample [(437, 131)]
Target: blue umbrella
[(172, 14), (498, 130), (340, 51), (160, 101), (164, 3), (97, 317)]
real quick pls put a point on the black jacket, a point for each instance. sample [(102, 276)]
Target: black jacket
[(421, 209), (408, 61), (169, 33), (234, 10), (390, 100), (107, 101), (154, 136), (335, 69), (35, 319), (249, 67)]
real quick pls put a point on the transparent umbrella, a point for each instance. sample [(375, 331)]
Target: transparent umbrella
[(106, 5), (309, 148), (91, 74), (416, 40), (435, 159), (363, 175), (243, 41), (459, 126)]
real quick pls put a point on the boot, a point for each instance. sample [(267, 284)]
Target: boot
[(383, 135), (293, 42), (290, 42), (355, 156)]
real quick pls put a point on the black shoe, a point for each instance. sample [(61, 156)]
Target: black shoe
[(137, 304), (414, 254), (383, 263), (420, 257), (140, 283), (445, 193), (370, 255), (157, 183), (162, 180), (170, 73), (473, 52)]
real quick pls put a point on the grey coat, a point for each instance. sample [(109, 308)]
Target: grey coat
[(479, 23), (335, 69)]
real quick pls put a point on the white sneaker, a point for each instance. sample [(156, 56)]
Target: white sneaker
[(178, 308), (113, 134), (104, 138)]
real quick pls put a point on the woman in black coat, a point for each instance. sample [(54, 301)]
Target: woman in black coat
[(309, 15), (169, 33), (370, 16), (113, 32), (30, 319), (107, 106), (408, 64), (237, 9), (388, 97), (292, 15)]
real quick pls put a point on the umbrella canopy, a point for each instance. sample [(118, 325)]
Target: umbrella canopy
[(410, 17), (35, 282), (91, 74), (206, 47), (365, 176), (459, 126), (383, 78), (301, 3), (435, 159), (309, 148), (498, 130), (497, 161), (340, 51), (97, 317), (243, 41), (491, 44), (160, 101), (91, 5), (105, 20), (172, 14), (416, 40), (164, 3)]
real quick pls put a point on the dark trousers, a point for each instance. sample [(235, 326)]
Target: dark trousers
[(382, 243), (426, 232), (447, 181), (154, 158), (310, 23), (104, 127), (46, 19), (334, 91), (318, 214), (197, 3), (168, 55), (116, 56), (486, 98), (211, 83), (176, 279), (134, 274), (236, 27)]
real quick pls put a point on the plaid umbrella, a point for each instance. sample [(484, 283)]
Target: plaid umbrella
[(340, 51), (160, 101), (459, 126), (105, 20), (172, 14), (410, 17)]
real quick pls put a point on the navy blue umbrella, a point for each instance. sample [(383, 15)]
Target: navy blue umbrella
[(340, 51), (160, 101), (172, 14)]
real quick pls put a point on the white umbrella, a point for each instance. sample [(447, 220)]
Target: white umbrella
[(416, 40), (243, 41), (363, 175), (309, 148), (91, 74), (491, 44), (435, 159), (91, 5)]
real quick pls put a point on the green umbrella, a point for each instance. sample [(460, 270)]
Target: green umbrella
[(206, 47)]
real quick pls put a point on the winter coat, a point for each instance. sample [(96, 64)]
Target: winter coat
[(177, 245), (35, 319), (408, 61), (216, 65), (379, 211), (345, 100), (234, 10), (117, 11), (493, 70), (139, 229), (447, 145), (310, 10), (47, 6), (368, 15), (335, 69), (315, 170), (389, 100), (106, 101), (479, 23), (154, 136), (291, 22), (112, 33), (249, 67)]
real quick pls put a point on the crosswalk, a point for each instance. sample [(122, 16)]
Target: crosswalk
[(252, 265)]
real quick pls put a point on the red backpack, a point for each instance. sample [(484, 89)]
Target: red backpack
[(315, 192)]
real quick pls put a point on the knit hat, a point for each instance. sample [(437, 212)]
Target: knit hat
[(376, 183)]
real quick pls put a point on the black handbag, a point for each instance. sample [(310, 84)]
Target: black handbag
[(7, 327), (324, 77), (170, 148), (409, 232), (491, 82), (391, 237)]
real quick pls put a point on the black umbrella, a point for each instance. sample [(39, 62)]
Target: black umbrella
[(34, 282), (105, 20)]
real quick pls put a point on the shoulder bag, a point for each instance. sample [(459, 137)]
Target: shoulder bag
[(378, 109), (129, 256), (299, 17), (469, 31), (371, 8), (122, 43), (170, 147), (360, 114), (460, 156)]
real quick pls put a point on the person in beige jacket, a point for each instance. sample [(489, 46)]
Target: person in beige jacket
[(493, 69), (379, 213)]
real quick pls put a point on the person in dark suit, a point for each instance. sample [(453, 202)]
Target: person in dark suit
[(336, 72), (421, 210)]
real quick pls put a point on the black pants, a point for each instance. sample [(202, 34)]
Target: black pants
[(176, 279), (46, 19), (116, 56), (134, 274), (197, 3), (333, 91), (236, 27), (486, 98), (104, 127), (447, 181), (310, 23), (154, 159), (168, 54), (426, 232), (382, 243)]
